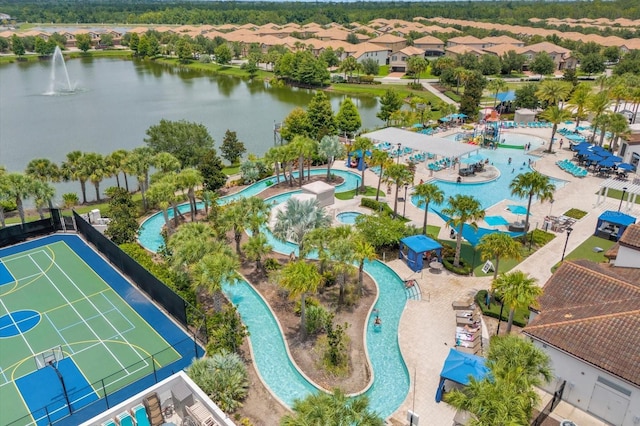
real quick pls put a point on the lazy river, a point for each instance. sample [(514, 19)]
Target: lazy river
[(390, 383)]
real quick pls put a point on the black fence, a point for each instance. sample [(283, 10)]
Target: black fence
[(551, 405), (18, 233), (156, 289)]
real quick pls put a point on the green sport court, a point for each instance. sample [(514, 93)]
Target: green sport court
[(72, 329)]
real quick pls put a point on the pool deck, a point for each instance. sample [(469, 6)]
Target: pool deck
[(425, 348)]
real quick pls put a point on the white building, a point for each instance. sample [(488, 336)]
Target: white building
[(589, 325)]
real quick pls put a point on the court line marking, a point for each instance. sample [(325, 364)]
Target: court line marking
[(104, 296), (58, 331), (73, 307), (16, 326), (16, 283), (37, 315), (130, 284)]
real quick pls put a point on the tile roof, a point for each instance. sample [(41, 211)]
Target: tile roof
[(461, 49), (592, 311), (631, 237), (387, 38), (428, 40), (502, 40), (465, 40), (501, 49)]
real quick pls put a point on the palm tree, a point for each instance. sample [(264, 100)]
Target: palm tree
[(553, 91), (398, 174), (417, 65), (234, 217), (333, 409), (364, 145), (496, 246), (72, 170), (274, 156), (190, 178), (556, 116), (318, 239), (380, 159), (532, 184), (42, 193), (19, 187), (223, 377), (139, 163), (258, 213), (297, 219), (43, 170), (462, 75), (93, 167), (330, 148), (579, 101), (340, 250), (517, 360), (462, 209), (162, 193), (428, 193), (4, 194), (517, 291), (303, 146), (619, 127), (191, 242), (495, 86), (116, 161), (300, 278), (598, 104), (349, 65), (166, 163), (215, 269), (362, 251), (256, 248)]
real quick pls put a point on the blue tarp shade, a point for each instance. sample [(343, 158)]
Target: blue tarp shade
[(417, 246), (612, 219), (459, 367), (357, 154), (506, 96), (473, 236)]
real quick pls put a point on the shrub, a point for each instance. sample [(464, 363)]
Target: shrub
[(368, 79), (225, 330), (272, 264), (308, 302), (540, 237), (328, 278), (336, 78), (372, 204), (463, 269), (415, 86), (335, 355), (575, 213), (318, 319)]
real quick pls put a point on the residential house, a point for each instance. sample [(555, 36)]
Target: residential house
[(433, 47), (589, 325), (371, 51), (561, 56), (458, 50), (391, 42), (398, 60), (493, 41), (469, 41)]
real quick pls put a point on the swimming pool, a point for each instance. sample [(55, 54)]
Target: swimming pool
[(509, 162), (149, 233), (348, 218), (390, 383)]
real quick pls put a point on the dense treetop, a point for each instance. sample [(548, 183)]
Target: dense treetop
[(221, 12)]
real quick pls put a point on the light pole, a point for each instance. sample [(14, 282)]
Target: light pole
[(624, 191), (500, 317), (569, 229), (399, 146), (404, 209)]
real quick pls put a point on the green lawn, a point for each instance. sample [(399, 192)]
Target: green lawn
[(616, 194), (586, 251), (231, 170), (348, 195), (379, 90)]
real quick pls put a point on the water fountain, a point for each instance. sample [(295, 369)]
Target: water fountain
[(59, 81)]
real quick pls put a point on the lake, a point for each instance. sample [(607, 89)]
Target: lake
[(117, 100)]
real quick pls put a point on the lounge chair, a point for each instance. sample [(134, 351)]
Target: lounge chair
[(140, 414), (125, 419), (154, 411), (109, 422), (462, 305)]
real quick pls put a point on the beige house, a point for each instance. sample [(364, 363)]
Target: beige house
[(371, 51), (469, 41), (398, 60), (459, 50), (390, 42), (432, 46), (493, 41), (561, 56)]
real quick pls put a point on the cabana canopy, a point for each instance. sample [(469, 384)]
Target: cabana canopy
[(438, 146), (506, 96), (417, 246), (356, 159), (459, 367), (612, 224), (473, 236)]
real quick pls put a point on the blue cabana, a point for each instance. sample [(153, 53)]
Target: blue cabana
[(459, 367), (612, 224), (506, 96), (356, 159), (417, 246)]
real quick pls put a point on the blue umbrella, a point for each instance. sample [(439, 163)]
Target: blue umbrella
[(625, 166), (604, 154), (598, 149), (594, 157), (615, 158), (607, 162)]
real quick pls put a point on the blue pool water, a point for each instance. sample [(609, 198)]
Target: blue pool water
[(493, 192), (348, 218), (390, 376), (149, 234)]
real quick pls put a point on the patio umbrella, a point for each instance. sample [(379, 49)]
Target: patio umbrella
[(594, 157), (506, 96), (515, 209), (615, 158), (445, 119), (625, 166), (607, 162)]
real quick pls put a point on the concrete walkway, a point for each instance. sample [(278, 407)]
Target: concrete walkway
[(427, 327)]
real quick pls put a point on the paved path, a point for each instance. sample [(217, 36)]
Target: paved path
[(395, 78), (427, 327)]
